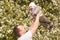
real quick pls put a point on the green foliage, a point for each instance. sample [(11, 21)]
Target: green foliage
[(13, 12)]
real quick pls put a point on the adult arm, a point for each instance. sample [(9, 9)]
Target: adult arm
[(35, 24)]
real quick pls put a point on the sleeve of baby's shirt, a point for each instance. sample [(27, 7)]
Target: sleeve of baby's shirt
[(37, 10)]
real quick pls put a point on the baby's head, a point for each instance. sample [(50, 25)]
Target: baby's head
[(32, 6)]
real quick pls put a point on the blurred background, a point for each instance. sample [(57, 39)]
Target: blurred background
[(14, 12)]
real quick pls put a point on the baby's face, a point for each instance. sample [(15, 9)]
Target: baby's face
[(31, 8)]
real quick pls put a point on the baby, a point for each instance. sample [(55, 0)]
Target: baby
[(34, 9)]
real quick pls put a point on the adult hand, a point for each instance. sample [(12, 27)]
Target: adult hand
[(38, 15)]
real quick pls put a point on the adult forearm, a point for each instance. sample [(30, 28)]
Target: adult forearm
[(34, 26)]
